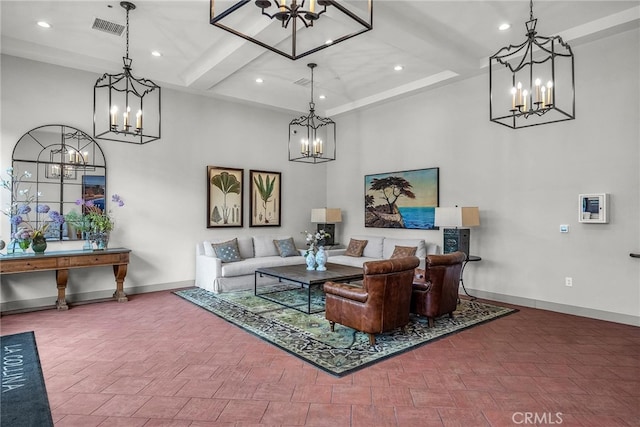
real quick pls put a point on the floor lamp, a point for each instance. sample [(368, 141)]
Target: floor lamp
[(456, 234)]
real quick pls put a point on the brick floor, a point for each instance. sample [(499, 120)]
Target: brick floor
[(159, 360)]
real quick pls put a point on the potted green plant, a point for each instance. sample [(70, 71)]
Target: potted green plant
[(96, 224)]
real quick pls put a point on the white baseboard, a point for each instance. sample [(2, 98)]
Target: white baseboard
[(49, 302), (559, 308), (85, 297)]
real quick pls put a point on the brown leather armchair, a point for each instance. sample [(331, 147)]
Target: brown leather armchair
[(380, 305), (436, 292)]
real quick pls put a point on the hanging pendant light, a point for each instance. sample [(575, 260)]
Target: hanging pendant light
[(532, 83), (126, 109), (312, 139), (337, 21)]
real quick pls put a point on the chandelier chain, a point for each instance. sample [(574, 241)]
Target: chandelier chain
[(531, 10), (127, 55), (312, 85)]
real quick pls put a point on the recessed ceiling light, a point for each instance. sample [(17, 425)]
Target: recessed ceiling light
[(328, 41), (156, 53), (504, 26), (44, 24), (322, 97), (398, 68), (259, 80)]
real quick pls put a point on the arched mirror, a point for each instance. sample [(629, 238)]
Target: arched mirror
[(62, 164)]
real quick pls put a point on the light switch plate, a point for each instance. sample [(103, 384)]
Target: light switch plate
[(564, 228)]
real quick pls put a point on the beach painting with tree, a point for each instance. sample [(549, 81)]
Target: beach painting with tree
[(224, 197), (404, 199), (264, 199)]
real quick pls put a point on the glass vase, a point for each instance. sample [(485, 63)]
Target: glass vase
[(13, 247), (39, 244), (101, 239), (88, 246), (24, 244)]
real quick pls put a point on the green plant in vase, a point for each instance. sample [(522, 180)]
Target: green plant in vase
[(82, 224), (96, 223), (23, 238)]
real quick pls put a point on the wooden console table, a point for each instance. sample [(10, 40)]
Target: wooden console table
[(63, 261)]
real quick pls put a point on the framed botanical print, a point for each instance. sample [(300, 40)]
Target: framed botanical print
[(264, 199), (405, 199), (224, 197)]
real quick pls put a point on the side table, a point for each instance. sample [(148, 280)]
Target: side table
[(470, 258)]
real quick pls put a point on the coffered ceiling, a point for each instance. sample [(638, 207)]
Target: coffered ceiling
[(436, 42)]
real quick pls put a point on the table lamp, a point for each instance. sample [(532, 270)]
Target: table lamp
[(326, 219), (456, 238)]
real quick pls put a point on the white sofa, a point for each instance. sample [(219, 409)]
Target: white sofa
[(260, 251), (379, 247), (256, 252)]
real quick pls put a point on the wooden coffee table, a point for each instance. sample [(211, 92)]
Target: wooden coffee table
[(303, 278)]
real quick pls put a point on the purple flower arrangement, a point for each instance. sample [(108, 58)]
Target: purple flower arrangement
[(96, 220), (20, 209)]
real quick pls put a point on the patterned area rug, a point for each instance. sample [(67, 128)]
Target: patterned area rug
[(310, 338)]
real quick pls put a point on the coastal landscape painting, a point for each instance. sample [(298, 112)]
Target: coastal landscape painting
[(405, 199)]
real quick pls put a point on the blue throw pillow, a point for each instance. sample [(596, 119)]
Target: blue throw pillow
[(286, 247), (227, 251)]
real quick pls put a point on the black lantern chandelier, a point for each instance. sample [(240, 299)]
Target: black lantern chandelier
[(341, 23), (72, 155), (126, 109), (312, 139), (532, 83)]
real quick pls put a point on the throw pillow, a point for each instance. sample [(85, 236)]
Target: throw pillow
[(227, 251), (404, 251), (356, 247), (286, 247)]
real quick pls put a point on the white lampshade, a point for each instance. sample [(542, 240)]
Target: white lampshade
[(326, 215), (457, 217)]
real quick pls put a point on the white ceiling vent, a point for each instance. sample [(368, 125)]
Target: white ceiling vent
[(108, 27), (303, 82)]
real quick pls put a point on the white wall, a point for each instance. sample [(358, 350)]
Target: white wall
[(526, 182), (163, 183)]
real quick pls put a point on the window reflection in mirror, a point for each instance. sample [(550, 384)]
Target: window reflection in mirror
[(65, 164)]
